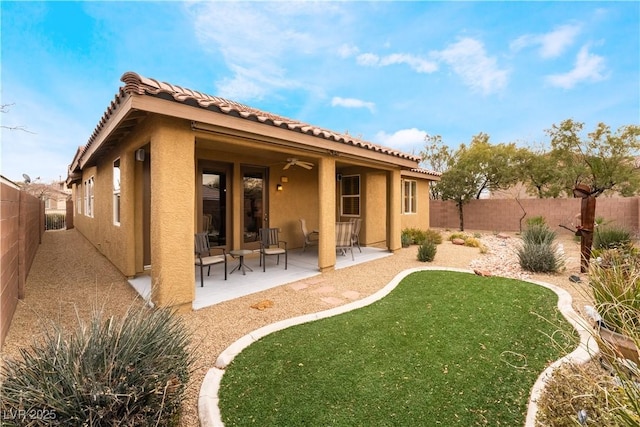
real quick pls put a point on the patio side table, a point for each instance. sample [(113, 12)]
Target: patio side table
[(240, 254)]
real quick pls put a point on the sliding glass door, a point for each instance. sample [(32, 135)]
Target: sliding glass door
[(255, 210)]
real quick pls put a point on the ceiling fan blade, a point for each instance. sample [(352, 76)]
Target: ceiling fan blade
[(287, 166), (305, 165)]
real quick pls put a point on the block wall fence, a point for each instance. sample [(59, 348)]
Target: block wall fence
[(21, 231), (505, 214)]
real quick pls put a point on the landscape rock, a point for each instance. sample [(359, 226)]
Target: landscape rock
[(458, 242)]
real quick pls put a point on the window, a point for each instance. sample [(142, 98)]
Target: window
[(88, 197), (350, 197), (409, 196), (116, 192), (79, 198)]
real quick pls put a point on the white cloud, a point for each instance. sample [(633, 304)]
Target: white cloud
[(552, 44), (352, 103), (347, 50), (416, 63), (408, 140), (256, 40), (469, 60), (588, 67)]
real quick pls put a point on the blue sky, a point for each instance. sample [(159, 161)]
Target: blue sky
[(389, 72)]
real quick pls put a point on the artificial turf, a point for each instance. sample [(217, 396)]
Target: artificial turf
[(443, 348)]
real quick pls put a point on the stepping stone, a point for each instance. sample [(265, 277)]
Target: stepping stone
[(323, 290), (332, 300), (299, 286), (352, 295)]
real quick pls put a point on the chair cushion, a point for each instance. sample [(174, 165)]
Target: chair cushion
[(273, 251), (208, 260)]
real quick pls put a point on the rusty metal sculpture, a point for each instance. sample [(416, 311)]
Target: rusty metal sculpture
[(587, 223)]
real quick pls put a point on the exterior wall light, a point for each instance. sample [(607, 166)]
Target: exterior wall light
[(279, 187)]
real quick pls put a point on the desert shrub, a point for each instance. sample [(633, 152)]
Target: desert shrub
[(427, 251), (405, 239), (538, 234), (572, 388), (611, 237), (127, 372), (472, 242), (458, 235), (433, 236), (418, 236), (540, 258)]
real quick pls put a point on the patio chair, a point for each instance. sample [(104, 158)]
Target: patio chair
[(355, 235), (344, 238), (270, 244), (308, 235), (204, 258)]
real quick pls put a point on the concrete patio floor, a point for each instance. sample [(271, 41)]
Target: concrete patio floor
[(301, 265)]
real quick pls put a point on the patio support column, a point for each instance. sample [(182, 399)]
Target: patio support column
[(394, 229), (327, 213), (237, 208), (172, 213)]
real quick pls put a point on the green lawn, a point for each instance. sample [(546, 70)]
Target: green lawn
[(443, 348)]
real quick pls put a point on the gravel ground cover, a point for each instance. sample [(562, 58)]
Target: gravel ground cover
[(70, 278)]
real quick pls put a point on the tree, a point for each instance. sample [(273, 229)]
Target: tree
[(605, 161), (476, 169), (537, 170), (436, 157), (4, 108)]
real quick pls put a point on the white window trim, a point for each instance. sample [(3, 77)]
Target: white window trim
[(79, 190), (358, 196), (413, 198), (89, 197), (116, 192)]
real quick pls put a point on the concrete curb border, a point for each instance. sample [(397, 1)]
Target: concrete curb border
[(209, 411)]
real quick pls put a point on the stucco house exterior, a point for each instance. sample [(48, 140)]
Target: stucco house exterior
[(165, 162)]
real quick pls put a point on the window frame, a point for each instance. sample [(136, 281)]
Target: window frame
[(409, 196), (116, 191), (356, 196), (89, 185)]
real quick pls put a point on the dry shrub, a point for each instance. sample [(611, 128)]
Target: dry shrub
[(580, 387)]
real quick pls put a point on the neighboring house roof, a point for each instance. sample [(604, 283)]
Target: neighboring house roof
[(420, 172), (138, 85)]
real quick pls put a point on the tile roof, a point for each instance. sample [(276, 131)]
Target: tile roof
[(137, 84), (134, 84)]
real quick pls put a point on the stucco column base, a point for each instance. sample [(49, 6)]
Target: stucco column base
[(183, 308), (327, 269)]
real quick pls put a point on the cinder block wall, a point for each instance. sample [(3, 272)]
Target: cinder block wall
[(21, 231), (505, 214)]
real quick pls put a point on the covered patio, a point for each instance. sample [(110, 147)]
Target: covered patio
[(301, 265)]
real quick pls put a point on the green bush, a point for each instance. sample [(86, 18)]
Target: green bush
[(611, 237), (540, 258), (433, 236), (472, 242), (418, 236), (536, 221), (127, 372), (458, 235), (427, 251), (538, 234)]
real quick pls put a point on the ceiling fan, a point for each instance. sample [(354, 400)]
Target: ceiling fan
[(295, 162)]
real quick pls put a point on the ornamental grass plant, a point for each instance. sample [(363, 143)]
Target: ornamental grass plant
[(539, 252), (131, 371)]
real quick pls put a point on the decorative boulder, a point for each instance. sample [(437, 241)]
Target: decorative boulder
[(458, 242)]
